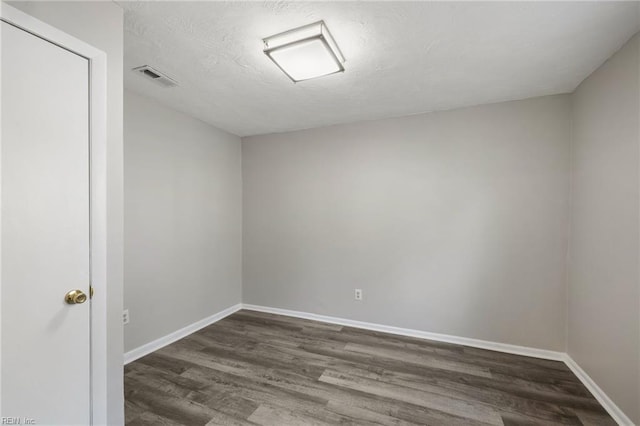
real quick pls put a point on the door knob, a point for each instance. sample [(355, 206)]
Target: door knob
[(75, 297)]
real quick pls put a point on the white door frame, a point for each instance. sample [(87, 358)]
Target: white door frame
[(98, 195)]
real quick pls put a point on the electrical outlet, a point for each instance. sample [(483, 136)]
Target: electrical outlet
[(125, 317), (358, 294)]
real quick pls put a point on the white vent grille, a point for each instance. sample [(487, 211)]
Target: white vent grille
[(156, 76)]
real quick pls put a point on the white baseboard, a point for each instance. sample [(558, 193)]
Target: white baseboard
[(466, 341), (613, 410), (177, 335)]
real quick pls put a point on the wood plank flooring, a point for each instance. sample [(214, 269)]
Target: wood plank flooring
[(261, 369)]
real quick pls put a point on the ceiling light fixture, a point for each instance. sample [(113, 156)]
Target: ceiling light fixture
[(305, 52)]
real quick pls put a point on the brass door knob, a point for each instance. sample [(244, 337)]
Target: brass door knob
[(75, 297)]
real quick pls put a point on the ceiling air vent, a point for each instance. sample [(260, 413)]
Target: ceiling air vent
[(156, 76)]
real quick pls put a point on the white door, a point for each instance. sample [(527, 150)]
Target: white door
[(45, 231)]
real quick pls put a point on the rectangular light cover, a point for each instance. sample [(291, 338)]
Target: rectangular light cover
[(306, 52)]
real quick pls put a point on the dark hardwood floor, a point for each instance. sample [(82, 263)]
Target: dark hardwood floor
[(256, 368)]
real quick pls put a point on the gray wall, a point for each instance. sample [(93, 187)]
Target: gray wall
[(451, 222), (603, 320), (183, 220), (101, 25)]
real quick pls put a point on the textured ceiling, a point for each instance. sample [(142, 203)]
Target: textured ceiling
[(402, 57)]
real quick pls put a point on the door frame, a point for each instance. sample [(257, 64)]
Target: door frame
[(98, 196)]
